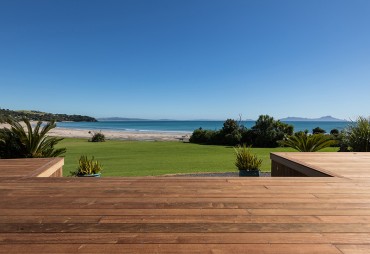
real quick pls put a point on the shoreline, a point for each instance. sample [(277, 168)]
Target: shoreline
[(121, 135), (116, 134)]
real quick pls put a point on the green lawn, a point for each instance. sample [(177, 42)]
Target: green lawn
[(143, 158)]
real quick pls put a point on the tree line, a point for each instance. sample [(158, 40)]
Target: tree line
[(265, 133), (42, 116), (268, 132)]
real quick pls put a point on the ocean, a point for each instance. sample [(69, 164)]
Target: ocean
[(186, 126)]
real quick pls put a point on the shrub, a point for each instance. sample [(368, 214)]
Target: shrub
[(357, 135), (232, 139), (10, 145), (334, 132), (338, 137), (230, 134), (305, 132), (308, 143), (16, 142), (246, 160), (318, 130), (87, 167), (98, 137), (266, 133), (248, 136), (201, 136)]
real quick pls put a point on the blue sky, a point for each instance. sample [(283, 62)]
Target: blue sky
[(186, 59)]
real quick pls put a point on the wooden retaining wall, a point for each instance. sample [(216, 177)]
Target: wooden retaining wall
[(278, 169)]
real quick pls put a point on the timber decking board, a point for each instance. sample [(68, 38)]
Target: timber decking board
[(171, 248), (347, 165), (188, 215), (27, 167)]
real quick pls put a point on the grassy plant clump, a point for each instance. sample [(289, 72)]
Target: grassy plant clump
[(357, 135), (87, 167), (246, 160), (98, 137)]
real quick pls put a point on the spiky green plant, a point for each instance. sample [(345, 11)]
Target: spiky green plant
[(10, 145), (357, 135), (308, 143), (87, 167), (246, 160), (34, 142)]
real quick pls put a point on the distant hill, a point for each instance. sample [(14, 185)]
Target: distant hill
[(35, 115), (141, 119), (131, 119), (321, 119), (121, 119)]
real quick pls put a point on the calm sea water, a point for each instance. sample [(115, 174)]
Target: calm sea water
[(185, 126)]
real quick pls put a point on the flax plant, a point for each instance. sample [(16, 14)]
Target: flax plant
[(357, 135)]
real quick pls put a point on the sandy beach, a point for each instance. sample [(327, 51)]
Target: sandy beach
[(120, 135)]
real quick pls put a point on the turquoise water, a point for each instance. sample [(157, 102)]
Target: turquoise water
[(185, 126)]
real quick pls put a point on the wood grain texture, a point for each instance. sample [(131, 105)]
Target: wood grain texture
[(35, 167), (187, 215)]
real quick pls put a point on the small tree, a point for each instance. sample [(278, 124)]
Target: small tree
[(267, 131), (334, 132), (318, 130), (230, 126)]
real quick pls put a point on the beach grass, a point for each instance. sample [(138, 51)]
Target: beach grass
[(146, 158)]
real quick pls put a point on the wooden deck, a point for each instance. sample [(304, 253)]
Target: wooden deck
[(36, 167), (186, 215), (347, 165)]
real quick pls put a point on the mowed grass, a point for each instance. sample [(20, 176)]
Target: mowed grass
[(144, 158)]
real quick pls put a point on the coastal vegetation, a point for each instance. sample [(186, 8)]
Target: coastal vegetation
[(303, 142), (17, 142), (138, 158), (271, 133), (97, 137), (265, 133), (142, 158), (356, 137), (34, 115), (318, 130)]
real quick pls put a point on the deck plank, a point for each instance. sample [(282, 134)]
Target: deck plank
[(169, 248), (187, 238), (187, 215)]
